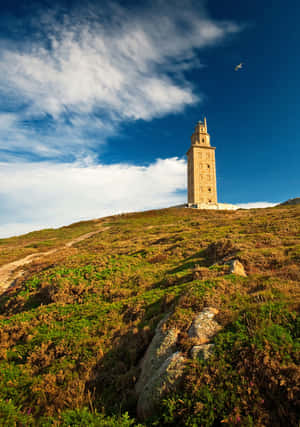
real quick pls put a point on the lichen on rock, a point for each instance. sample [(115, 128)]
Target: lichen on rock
[(163, 345), (204, 327), (163, 365), (203, 351), (164, 380)]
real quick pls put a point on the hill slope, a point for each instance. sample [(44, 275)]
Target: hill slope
[(78, 319)]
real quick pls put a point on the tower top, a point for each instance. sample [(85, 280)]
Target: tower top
[(200, 135), (201, 126)]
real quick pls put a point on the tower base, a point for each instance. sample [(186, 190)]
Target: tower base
[(217, 206)]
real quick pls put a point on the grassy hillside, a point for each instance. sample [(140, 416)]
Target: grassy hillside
[(14, 248), (76, 324)]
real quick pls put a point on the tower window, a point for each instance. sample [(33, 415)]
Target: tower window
[(203, 140), (208, 166), (209, 189), (209, 201)]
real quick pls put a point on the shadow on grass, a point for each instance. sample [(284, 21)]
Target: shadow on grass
[(198, 258), (112, 381)]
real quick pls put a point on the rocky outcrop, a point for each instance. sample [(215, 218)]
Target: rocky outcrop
[(203, 351), (164, 380), (161, 369), (162, 346), (236, 267), (163, 364), (204, 327)]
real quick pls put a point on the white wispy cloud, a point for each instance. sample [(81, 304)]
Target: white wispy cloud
[(106, 61), (41, 195), (71, 81), (58, 138)]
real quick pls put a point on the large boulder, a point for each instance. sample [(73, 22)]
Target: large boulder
[(163, 365), (162, 381), (162, 346), (161, 369), (204, 327)]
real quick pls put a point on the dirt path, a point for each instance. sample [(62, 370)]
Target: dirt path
[(8, 273)]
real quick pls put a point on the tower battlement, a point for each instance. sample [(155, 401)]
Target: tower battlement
[(200, 135)]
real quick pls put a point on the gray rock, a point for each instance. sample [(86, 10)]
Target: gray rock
[(163, 381), (162, 346), (162, 366), (203, 351), (204, 327)]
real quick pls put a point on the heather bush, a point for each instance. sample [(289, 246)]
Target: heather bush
[(74, 327)]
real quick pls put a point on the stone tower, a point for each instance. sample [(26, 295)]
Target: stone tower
[(202, 184)]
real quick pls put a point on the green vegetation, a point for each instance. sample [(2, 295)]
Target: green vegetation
[(74, 328), (14, 248)]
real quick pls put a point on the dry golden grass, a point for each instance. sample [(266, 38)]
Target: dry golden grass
[(75, 325)]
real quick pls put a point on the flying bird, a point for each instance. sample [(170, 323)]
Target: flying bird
[(238, 67)]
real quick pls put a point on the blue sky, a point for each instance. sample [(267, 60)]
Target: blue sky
[(98, 101)]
